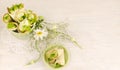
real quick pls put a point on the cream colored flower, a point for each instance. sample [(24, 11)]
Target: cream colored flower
[(40, 34)]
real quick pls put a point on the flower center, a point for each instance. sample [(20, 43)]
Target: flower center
[(39, 33)]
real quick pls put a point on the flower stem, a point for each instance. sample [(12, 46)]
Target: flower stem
[(71, 39), (36, 46), (40, 52), (34, 61)]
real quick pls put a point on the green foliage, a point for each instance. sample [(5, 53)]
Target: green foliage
[(39, 22)]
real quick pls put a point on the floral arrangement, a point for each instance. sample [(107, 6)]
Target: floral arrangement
[(25, 23)]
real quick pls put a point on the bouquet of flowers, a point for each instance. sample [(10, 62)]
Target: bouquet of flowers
[(25, 23)]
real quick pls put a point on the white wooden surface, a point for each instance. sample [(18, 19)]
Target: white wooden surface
[(94, 23)]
